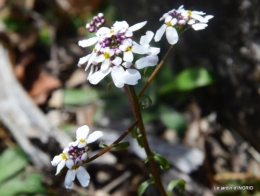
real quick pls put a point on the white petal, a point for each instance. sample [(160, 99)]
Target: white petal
[(146, 39), (70, 177), (105, 65), (159, 33), (88, 42), (128, 56), (94, 136), (127, 64), (100, 58), (82, 132), (117, 74), (140, 49), (84, 59), (60, 166), (82, 144), (75, 143), (137, 26), (84, 157), (128, 33), (172, 35), (174, 21), (198, 17), (168, 19), (82, 176), (98, 76), (147, 61), (56, 160), (208, 17), (117, 61), (132, 76), (199, 26), (69, 163), (154, 51)]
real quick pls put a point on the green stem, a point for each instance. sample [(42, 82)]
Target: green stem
[(159, 66), (115, 142), (154, 168)]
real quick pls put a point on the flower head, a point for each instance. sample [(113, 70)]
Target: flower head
[(74, 156), (78, 171), (60, 160), (83, 138), (175, 20), (113, 50)]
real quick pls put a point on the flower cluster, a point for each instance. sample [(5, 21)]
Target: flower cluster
[(114, 52), (74, 155), (177, 19)]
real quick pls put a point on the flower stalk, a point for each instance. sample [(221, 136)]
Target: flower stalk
[(153, 166)]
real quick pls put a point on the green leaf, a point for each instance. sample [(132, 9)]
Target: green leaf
[(144, 186), (120, 146), (45, 36), (189, 79), (79, 96), (173, 119), (103, 145), (145, 101), (12, 160), (174, 183), (30, 185), (164, 164)]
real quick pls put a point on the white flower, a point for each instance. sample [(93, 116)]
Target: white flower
[(60, 160), (82, 136), (123, 27), (171, 33), (76, 171), (105, 58), (126, 47)]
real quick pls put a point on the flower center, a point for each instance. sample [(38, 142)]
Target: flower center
[(74, 167), (128, 48), (168, 24), (63, 156), (189, 12), (82, 140), (106, 55)]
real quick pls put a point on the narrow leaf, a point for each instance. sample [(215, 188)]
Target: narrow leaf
[(144, 186), (164, 164), (174, 183), (103, 145), (12, 160), (121, 146)]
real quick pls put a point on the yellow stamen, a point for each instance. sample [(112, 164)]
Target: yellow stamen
[(63, 156), (112, 31), (129, 48), (168, 24), (106, 55), (82, 141), (75, 167), (189, 12)]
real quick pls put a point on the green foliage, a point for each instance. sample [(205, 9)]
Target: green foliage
[(121, 146), (12, 180), (173, 119), (179, 183), (144, 186), (44, 36), (188, 79), (16, 24), (12, 160), (80, 97), (164, 164), (145, 101), (30, 184)]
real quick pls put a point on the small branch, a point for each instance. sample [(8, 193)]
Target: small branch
[(145, 143), (112, 145), (128, 95), (150, 79)]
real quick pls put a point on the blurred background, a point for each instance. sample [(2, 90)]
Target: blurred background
[(204, 115)]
